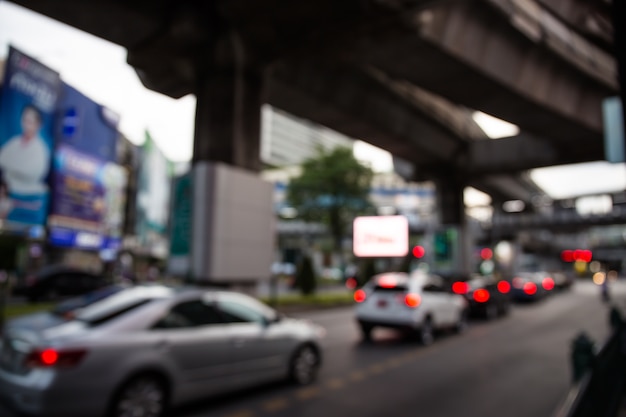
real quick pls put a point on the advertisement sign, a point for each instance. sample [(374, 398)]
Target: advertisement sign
[(153, 199), (86, 126), (27, 105), (88, 203), (381, 236)]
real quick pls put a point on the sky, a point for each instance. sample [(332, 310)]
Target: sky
[(98, 69)]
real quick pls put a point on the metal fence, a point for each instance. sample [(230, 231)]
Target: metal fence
[(600, 389)]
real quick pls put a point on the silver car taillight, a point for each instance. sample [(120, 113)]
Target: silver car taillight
[(46, 358)]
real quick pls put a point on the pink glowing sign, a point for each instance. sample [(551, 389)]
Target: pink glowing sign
[(381, 236)]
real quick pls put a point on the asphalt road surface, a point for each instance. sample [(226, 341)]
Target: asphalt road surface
[(512, 366)]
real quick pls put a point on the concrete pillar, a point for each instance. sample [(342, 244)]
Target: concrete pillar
[(228, 118), (451, 210), (229, 96)]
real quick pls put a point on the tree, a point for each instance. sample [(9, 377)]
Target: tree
[(332, 188), (305, 276)]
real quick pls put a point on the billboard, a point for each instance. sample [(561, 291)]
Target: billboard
[(381, 236), (88, 187), (27, 106), (88, 202), (86, 126)]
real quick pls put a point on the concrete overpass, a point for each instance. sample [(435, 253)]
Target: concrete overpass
[(401, 74)]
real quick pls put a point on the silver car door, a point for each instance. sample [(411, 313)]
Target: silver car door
[(197, 341), (260, 346)]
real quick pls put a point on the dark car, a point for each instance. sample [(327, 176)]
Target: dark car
[(53, 282), (531, 286), (486, 296)]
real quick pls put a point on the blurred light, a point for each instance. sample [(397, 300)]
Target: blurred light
[(387, 281), (481, 295), (351, 283), (599, 278), (460, 287), (49, 357), (580, 266), (595, 266), (288, 212), (530, 288), (518, 282), (504, 287), (359, 296), (412, 300), (486, 254), (504, 252), (513, 206), (567, 256), (612, 275), (548, 283), (493, 127), (419, 251)]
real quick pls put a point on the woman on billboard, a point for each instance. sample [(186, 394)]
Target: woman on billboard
[(25, 162)]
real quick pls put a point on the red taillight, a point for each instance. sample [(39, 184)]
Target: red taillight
[(481, 295), (504, 287), (359, 296), (412, 300), (387, 281), (51, 357), (530, 288), (460, 287), (351, 283), (548, 283)]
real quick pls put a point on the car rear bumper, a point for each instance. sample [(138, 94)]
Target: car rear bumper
[(34, 396), (394, 324)]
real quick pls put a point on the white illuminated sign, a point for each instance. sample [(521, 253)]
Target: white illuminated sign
[(381, 236)]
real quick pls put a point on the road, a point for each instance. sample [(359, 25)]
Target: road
[(514, 366)]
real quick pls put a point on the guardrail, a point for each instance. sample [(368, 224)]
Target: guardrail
[(599, 378)]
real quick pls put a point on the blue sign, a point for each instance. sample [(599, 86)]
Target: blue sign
[(83, 240), (27, 106), (86, 126)]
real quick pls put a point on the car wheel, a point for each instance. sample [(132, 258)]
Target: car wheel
[(366, 331), (304, 365), (462, 323), (491, 312), (426, 332), (143, 396)]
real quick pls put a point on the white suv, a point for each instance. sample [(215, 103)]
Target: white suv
[(417, 301)]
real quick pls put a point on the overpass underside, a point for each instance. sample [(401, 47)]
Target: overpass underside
[(402, 75)]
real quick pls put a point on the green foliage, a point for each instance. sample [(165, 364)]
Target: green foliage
[(305, 276), (332, 189)]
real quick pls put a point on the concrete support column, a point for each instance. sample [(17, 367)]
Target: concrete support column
[(451, 208), (228, 118)]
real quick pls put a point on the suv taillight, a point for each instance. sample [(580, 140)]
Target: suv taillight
[(412, 300), (359, 296), (47, 358)]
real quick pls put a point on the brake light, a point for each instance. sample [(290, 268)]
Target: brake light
[(412, 300), (481, 295), (548, 283), (387, 281), (51, 357), (530, 288), (351, 283), (460, 288), (504, 287), (359, 296)]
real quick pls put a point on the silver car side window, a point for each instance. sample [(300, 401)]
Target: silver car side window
[(234, 312), (189, 314)]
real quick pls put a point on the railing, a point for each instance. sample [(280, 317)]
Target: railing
[(598, 389)]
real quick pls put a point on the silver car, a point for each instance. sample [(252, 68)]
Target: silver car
[(140, 350)]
